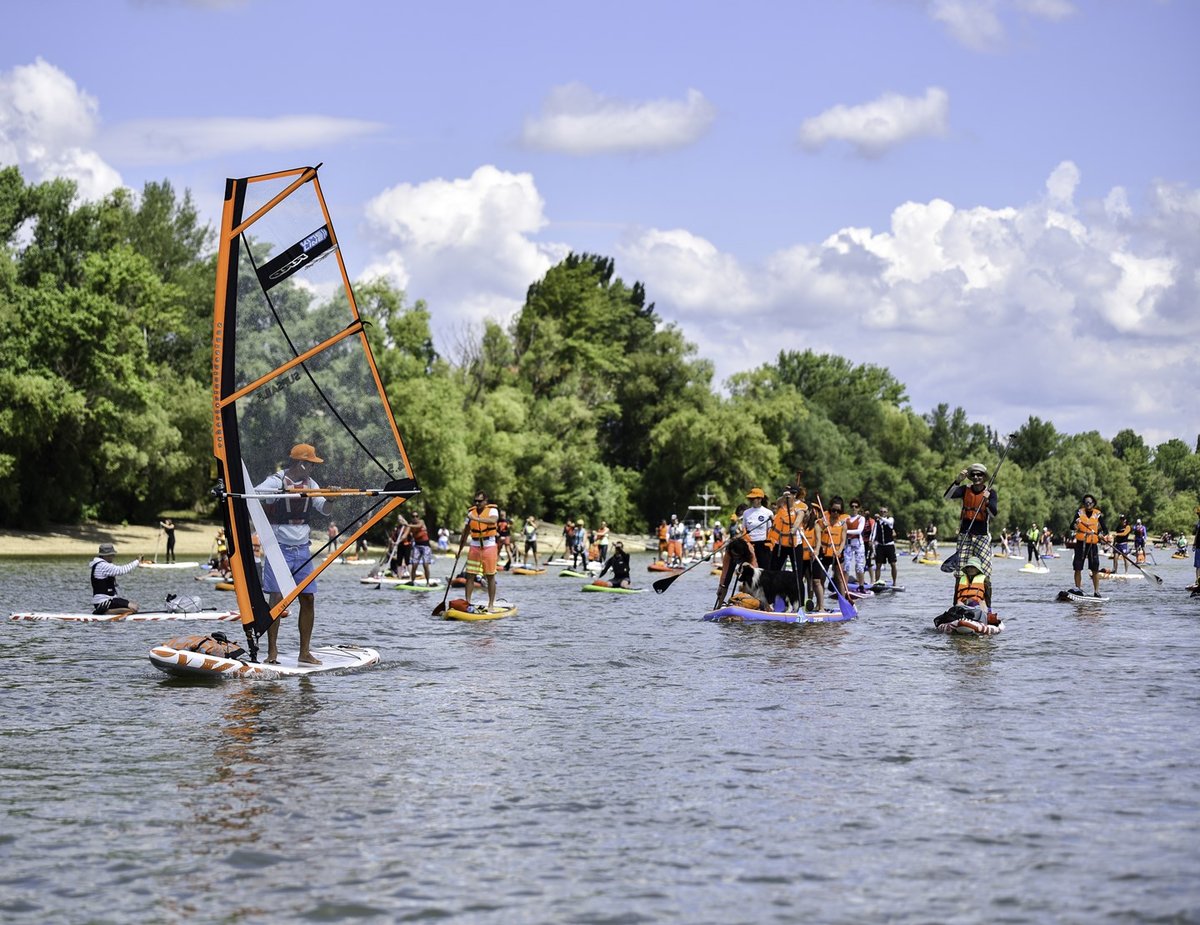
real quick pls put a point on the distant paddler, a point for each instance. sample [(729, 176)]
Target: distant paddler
[(105, 597), (290, 519), (1089, 529), (482, 554), (618, 563)]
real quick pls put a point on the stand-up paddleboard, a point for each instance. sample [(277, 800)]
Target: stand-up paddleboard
[(432, 585), (1032, 569), (924, 560), (402, 582), (571, 573), (969, 621), (162, 565), (561, 561), (657, 566), (732, 614), (611, 590), (1070, 595), (521, 570), (149, 616), (213, 578), (481, 612), (224, 586), (1123, 576), (185, 663), (882, 587)]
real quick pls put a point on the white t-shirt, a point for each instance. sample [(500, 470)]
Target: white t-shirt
[(291, 534), (757, 521)]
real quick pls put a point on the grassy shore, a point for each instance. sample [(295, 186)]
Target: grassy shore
[(192, 540)]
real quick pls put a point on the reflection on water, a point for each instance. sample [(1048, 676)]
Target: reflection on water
[(611, 760)]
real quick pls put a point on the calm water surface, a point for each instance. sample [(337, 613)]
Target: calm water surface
[(611, 759)]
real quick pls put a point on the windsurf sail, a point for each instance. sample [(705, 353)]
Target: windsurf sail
[(291, 366)]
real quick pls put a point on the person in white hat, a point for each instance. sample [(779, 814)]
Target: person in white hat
[(979, 506), (290, 523), (105, 597)]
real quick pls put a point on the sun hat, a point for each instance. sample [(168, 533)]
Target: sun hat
[(107, 549), (977, 467), (756, 493), (974, 562), (306, 453)]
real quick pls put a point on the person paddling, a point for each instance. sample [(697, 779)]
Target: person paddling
[(1088, 528), (618, 562), (480, 526), (105, 597), (979, 506)]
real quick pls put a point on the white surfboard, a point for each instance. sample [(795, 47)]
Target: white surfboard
[(184, 663), (146, 617), (161, 565)]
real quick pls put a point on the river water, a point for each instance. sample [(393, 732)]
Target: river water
[(611, 759)]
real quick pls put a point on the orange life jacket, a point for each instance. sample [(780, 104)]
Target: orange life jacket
[(974, 506), (785, 525), (662, 531), (1087, 527), (835, 533), (480, 529), (810, 541), (971, 591)]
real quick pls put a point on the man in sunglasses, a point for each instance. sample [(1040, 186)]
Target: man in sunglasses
[(480, 527), (979, 506)]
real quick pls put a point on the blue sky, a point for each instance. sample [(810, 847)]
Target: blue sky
[(996, 199)]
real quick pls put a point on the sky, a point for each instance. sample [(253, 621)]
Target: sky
[(996, 200)]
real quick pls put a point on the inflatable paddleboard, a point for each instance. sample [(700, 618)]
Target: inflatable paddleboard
[(1033, 569), (521, 570), (662, 567), (1130, 576), (1080, 598), (432, 585), (731, 614), (881, 587), (224, 586), (480, 612), (161, 565), (925, 561), (970, 626), (611, 590), (571, 573), (188, 664), (146, 617)]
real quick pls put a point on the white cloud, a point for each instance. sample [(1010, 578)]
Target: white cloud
[(872, 128), (176, 141), (577, 120), (979, 24), (464, 245), (1005, 311), (46, 128)]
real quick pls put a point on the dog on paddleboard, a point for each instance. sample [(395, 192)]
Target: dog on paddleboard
[(767, 585)]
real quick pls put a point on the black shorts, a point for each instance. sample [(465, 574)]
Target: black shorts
[(114, 603), (1089, 551), (885, 554)]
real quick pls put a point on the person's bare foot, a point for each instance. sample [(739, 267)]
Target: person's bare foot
[(308, 658)]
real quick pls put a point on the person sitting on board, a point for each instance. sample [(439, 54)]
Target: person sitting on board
[(738, 551), (422, 552), (105, 598), (974, 589), (167, 525), (979, 506), (1089, 529), (619, 563), (480, 527), (884, 539), (289, 519), (1120, 543), (529, 531)]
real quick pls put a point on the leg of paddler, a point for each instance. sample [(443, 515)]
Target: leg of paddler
[(307, 619), (273, 633)]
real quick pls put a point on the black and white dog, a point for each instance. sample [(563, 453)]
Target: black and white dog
[(767, 585)]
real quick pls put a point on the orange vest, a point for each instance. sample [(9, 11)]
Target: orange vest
[(835, 533), (970, 591), (481, 530), (785, 525), (1087, 527), (662, 531), (810, 541), (974, 505)]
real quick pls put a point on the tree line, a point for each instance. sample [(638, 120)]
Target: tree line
[(586, 405)]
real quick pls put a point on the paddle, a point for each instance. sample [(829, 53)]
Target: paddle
[(663, 583), (441, 608), (1134, 563)]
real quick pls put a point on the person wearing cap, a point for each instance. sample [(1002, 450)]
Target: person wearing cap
[(291, 523), (979, 506), (675, 533), (105, 597), (1031, 541), (883, 537), (1120, 543), (1089, 531), (619, 563), (482, 554), (854, 560), (756, 522), (1139, 541)]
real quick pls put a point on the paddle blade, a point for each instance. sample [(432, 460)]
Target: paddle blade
[(439, 609), (846, 608), (663, 583), (951, 563)]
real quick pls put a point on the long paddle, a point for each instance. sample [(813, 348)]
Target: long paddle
[(1134, 563), (663, 583), (441, 608)]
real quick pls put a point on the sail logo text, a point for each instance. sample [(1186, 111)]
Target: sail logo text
[(314, 239), (277, 387)]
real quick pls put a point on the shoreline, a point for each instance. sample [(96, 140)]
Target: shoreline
[(193, 540)]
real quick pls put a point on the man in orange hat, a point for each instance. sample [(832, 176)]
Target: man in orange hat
[(290, 522)]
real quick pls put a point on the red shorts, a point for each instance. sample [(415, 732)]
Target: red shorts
[(481, 560)]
